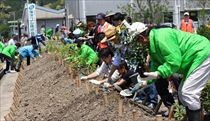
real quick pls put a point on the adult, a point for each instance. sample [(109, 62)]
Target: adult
[(187, 23), (29, 51), (105, 27), (8, 54), (173, 51)]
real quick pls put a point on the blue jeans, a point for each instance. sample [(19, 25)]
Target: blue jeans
[(151, 93)]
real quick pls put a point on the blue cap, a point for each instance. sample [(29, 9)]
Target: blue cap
[(100, 16)]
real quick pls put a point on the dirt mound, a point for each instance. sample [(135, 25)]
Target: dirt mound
[(49, 94)]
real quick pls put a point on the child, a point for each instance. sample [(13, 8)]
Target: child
[(131, 79), (127, 78)]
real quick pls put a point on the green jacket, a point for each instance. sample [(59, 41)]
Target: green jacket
[(49, 33), (1, 46), (10, 51), (87, 54), (174, 51)]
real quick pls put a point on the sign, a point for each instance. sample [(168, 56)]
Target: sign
[(32, 25)]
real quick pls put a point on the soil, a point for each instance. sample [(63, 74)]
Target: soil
[(49, 93)]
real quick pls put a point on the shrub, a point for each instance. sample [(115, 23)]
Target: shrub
[(204, 31), (205, 98)]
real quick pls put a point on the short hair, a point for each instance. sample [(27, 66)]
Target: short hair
[(105, 52), (17, 44), (99, 36), (123, 64), (118, 16)]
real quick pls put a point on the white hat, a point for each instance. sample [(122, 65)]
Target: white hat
[(186, 14), (137, 28)]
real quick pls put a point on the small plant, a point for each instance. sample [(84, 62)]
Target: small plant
[(204, 31), (179, 112), (205, 98)]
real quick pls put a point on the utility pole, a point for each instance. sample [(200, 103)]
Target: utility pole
[(176, 13)]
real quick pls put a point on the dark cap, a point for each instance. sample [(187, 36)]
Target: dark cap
[(100, 16), (78, 41)]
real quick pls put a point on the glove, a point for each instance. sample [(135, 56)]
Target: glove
[(150, 75), (83, 78), (141, 83)]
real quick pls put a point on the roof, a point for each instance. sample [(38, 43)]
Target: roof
[(45, 13)]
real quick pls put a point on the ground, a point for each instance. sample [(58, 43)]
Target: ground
[(7, 85), (49, 93)]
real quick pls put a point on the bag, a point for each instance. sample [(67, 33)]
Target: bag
[(110, 31)]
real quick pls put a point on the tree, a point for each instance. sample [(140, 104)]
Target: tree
[(4, 13), (203, 4), (148, 11), (4, 16)]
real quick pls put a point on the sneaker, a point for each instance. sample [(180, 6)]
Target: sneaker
[(165, 114), (95, 82), (12, 71), (126, 93), (151, 106), (118, 88), (138, 100)]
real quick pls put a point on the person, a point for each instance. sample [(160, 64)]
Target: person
[(70, 39), (1, 49), (105, 27), (129, 20), (29, 51), (12, 41), (42, 30), (24, 39), (57, 28), (36, 40), (129, 79), (106, 55), (187, 23), (121, 27), (64, 33), (79, 31), (109, 18), (8, 54), (1, 46), (49, 33), (87, 54), (173, 51)]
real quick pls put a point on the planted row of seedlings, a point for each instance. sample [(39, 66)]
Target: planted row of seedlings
[(59, 54)]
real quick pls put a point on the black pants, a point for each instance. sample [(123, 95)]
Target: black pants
[(162, 89), (9, 62), (21, 60)]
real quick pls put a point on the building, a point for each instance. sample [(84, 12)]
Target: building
[(44, 16), (86, 10)]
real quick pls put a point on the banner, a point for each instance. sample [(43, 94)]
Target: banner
[(32, 25)]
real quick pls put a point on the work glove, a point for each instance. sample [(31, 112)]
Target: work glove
[(141, 83), (83, 78), (150, 76)]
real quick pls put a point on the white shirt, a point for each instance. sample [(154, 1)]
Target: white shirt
[(11, 42)]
